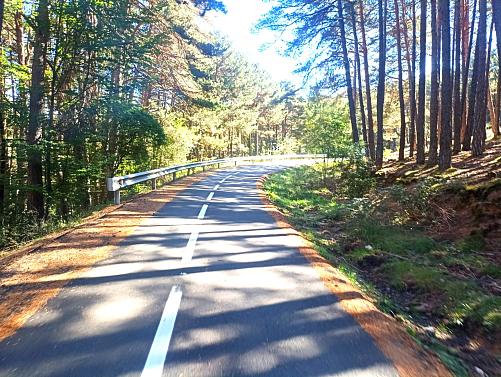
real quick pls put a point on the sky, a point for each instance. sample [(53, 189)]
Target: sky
[(237, 25)]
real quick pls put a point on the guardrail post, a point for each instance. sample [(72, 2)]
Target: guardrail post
[(218, 166), (154, 184), (116, 197), (174, 176), (235, 163), (203, 168)]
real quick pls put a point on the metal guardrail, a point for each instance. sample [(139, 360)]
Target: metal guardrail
[(115, 184)]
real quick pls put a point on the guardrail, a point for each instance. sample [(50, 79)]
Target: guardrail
[(115, 184)]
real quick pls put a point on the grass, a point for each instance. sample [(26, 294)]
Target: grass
[(430, 281)]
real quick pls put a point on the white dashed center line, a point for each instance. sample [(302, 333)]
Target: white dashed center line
[(154, 365), (190, 247), (201, 215)]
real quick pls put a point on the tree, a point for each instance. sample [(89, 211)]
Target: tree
[(34, 134), (434, 90), (468, 98), (496, 9), (446, 131), (481, 78), (403, 126), (457, 77), (359, 76), (422, 86), (3, 139), (346, 63), (382, 11), (370, 117)]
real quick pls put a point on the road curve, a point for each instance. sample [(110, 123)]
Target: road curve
[(209, 286)]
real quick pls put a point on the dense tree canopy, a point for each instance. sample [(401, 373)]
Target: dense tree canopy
[(393, 38), (91, 89)]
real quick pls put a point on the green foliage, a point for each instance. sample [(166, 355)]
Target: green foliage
[(394, 239), (131, 133), (327, 129), (473, 243), (421, 271), (408, 275), (356, 177), (487, 313)]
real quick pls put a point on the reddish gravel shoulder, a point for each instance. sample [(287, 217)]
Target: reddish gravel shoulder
[(32, 275)]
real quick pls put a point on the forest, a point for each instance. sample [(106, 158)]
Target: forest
[(424, 73), (93, 89), (403, 95)]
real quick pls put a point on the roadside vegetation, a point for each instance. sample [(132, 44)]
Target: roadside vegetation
[(423, 244)]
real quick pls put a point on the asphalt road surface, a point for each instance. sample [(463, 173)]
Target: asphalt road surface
[(209, 286)]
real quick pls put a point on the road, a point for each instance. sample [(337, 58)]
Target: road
[(209, 286)]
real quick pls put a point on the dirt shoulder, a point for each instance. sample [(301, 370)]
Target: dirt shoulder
[(32, 275)]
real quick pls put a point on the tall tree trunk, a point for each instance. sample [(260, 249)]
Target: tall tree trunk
[(412, 83), (359, 75), (382, 11), (2, 7), (346, 62), (3, 138), (401, 150), (435, 51), (481, 94), (411, 68), (467, 111), (370, 118), (496, 9), (422, 86), (472, 97), (457, 77), (446, 130), (490, 104), (35, 195)]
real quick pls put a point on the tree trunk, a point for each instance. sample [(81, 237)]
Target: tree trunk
[(446, 130), (433, 152), (481, 94), (401, 150), (457, 78), (370, 118), (411, 68), (413, 84), (3, 139), (382, 10), (359, 75), (496, 9), (466, 112), (35, 194), (346, 62), (472, 97), (422, 86)]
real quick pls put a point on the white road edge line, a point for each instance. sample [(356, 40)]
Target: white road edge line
[(211, 195), (216, 187), (201, 215), (154, 365), (190, 247)]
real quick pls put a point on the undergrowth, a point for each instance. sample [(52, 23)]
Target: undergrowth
[(376, 237)]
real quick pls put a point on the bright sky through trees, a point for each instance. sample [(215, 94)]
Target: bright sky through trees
[(237, 24)]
